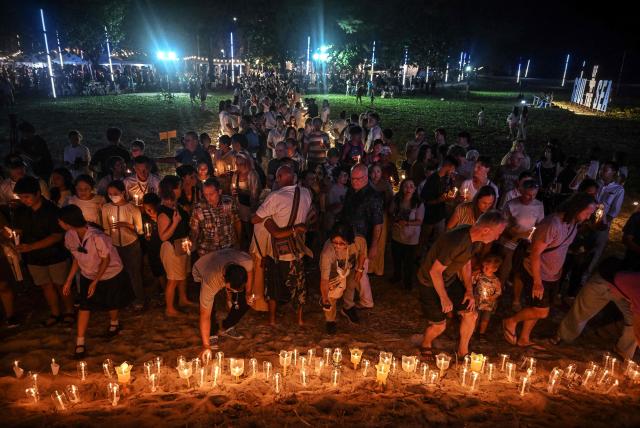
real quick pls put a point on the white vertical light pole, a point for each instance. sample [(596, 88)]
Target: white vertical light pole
[(564, 75), (446, 74), (404, 70), (460, 67), (518, 75), (582, 71), (373, 58), (526, 70), (106, 35), (427, 73), (59, 50), (308, 51), (46, 46), (233, 72)]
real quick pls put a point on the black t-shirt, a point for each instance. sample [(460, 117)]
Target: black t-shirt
[(632, 228), (38, 225), (36, 149), (182, 231), (185, 157), (453, 250), (363, 210), (434, 187), (102, 156)]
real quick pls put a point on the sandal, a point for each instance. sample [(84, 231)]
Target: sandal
[(427, 354), (508, 336), (534, 346), (113, 331), (80, 352), (51, 321)]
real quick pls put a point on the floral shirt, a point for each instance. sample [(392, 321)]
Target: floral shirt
[(486, 289)]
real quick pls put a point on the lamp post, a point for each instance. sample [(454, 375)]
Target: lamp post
[(404, 69), (106, 35), (526, 70), (373, 58), (46, 45), (233, 72), (308, 50), (518, 74), (59, 50), (564, 75)]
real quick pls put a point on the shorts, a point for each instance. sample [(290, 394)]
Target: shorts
[(430, 301), (177, 267), (527, 289), (110, 294), (50, 274)]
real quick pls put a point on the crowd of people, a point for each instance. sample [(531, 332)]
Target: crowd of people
[(288, 190)]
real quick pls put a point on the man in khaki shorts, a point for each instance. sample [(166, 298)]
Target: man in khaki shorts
[(41, 245)]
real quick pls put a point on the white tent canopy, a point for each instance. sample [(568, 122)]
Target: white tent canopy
[(68, 58)]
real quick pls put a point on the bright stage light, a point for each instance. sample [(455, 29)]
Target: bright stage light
[(167, 56), (171, 56), (316, 56), (324, 48), (523, 102), (468, 68)]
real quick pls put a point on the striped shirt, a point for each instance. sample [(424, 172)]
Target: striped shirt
[(317, 147)]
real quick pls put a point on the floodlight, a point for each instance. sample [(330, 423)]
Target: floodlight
[(468, 68), (161, 55), (316, 56)]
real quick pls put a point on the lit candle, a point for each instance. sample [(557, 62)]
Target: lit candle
[(114, 393), (136, 199), (285, 360), (356, 355), (382, 371), (474, 380), (266, 368), (196, 364), (153, 379), (185, 371), (186, 246), (554, 379), (604, 376), (277, 383), (55, 367), (319, 365), (463, 377), (82, 370), (148, 366), (202, 377), (311, 353), (73, 393), (158, 364), (614, 364), (432, 379), (253, 365), (216, 374), (511, 371), (403, 176), (327, 355), (588, 374), (424, 370), (570, 371), (33, 377), (523, 385), (394, 366), (465, 193), (503, 361), (533, 230), (124, 373), (32, 394), (147, 230), (442, 362), (303, 376), (335, 376), (365, 367), (476, 362), (490, 368), (220, 359), (236, 367), (60, 400), (612, 387), (17, 370), (113, 221), (358, 159), (294, 355), (630, 365), (408, 364), (107, 368)]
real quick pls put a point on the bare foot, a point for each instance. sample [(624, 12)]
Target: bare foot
[(509, 331), (173, 314)]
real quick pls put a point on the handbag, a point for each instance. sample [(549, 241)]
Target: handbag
[(286, 247)]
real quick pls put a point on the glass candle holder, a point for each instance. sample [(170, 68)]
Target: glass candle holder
[(33, 379), (529, 363), (408, 364), (303, 376), (32, 395), (319, 364), (107, 369), (464, 377), (202, 377), (285, 361), (476, 362), (442, 362), (253, 367), (504, 358), (60, 400), (73, 393), (267, 369), (311, 353), (216, 375), (148, 369), (587, 378), (220, 359), (382, 373), (424, 371), (55, 367), (365, 367), (570, 371), (158, 364), (236, 367), (473, 382), (525, 383), (294, 357), (356, 356), (326, 352), (82, 370), (336, 356), (153, 381), (554, 380), (277, 383), (335, 377), (17, 370), (207, 356), (432, 378), (113, 391), (196, 363), (124, 373), (510, 371), (185, 371), (490, 371)]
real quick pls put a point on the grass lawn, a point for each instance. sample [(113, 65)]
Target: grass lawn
[(144, 115)]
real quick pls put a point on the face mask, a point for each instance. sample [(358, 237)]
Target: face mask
[(116, 199)]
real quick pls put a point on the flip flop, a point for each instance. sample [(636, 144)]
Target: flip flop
[(534, 346), (508, 336)]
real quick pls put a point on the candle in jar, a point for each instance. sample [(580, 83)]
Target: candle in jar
[(463, 377), (523, 385), (503, 361), (60, 400), (335, 376), (114, 393), (82, 370), (220, 359), (588, 374), (17, 370), (107, 368), (277, 380), (327, 355), (311, 353), (490, 369), (510, 368), (356, 355), (253, 366), (612, 387), (294, 356), (158, 364), (365, 367), (215, 374), (147, 230), (73, 393), (55, 367), (465, 193), (424, 371), (124, 372), (266, 368), (303, 376), (474, 380), (32, 394), (202, 377), (382, 371), (153, 379), (148, 369)]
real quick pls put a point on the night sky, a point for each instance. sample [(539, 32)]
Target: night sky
[(497, 33)]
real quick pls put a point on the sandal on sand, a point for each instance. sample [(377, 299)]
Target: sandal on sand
[(81, 351), (508, 336), (534, 346), (427, 353)]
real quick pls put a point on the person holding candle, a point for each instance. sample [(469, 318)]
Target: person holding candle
[(487, 289), (16, 169), (225, 162), (245, 188), (230, 270), (86, 199), (354, 148), (104, 284), (280, 218), (7, 247), (42, 248), (141, 182), (542, 268), (407, 212), (214, 222), (173, 229), (480, 178), (523, 214), (152, 243), (123, 222), (442, 291), (468, 212), (341, 268)]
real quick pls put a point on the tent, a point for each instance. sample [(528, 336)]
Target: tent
[(120, 62), (32, 60), (68, 58)]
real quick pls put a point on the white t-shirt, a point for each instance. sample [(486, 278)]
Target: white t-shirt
[(209, 271), (471, 190), (324, 114), (225, 120), (511, 194), (277, 206), (274, 138), (72, 153), (523, 216), (133, 187), (90, 209), (96, 246), (375, 133), (127, 213)]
